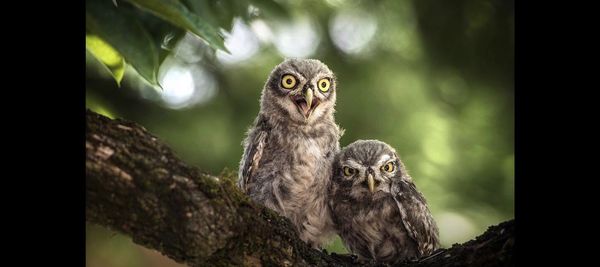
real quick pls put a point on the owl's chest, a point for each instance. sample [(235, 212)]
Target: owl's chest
[(309, 152), (365, 211), (302, 163), (371, 220), (372, 229), (301, 151), (309, 162)]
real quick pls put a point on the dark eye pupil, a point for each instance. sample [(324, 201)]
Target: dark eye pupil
[(323, 84), (288, 81)]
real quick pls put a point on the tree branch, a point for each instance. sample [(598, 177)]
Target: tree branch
[(137, 186)]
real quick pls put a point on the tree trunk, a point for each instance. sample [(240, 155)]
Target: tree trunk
[(137, 186)]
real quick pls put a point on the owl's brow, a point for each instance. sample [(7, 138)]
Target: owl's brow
[(296, 70), (384, 159), (353, 164)]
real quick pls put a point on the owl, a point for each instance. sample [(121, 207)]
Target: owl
[(289, 150), (377, 210)]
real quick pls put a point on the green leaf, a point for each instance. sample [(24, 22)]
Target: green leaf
[(178, 14), (164, 35), (107, 55), (118, 27), (216, 12)]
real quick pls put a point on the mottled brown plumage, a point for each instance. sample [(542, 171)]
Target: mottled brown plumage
[(289, 150), (376, 208)]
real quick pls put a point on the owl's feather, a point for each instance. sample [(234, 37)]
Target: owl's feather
[(252, 155), (416, 217)]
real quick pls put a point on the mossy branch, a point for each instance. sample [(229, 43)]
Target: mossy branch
[(137, 186)]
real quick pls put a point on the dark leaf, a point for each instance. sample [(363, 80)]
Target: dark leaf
[(118, 27), (178, 14)]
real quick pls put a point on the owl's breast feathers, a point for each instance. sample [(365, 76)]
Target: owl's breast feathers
[(372, 229), (302, 154), (299, 150), (287, 168)]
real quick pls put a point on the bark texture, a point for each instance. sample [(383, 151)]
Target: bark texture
[(137, 186)]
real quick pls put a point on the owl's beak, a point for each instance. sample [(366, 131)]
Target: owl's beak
[(371, 182), (308, 96), (306, 102)]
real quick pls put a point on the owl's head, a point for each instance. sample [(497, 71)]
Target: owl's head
[(367, 167), (300, 90)]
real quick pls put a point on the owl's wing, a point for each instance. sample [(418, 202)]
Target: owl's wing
[(252, 154), (416, 217)]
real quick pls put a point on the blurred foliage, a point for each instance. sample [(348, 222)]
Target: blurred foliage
[(433, 79), (140, 29)]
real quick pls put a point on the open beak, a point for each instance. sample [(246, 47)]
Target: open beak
[(305, 102), (371, 182)]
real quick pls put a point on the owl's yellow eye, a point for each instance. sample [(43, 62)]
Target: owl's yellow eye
[(348, 171), (288, 81), (324, 85), (389, 167)]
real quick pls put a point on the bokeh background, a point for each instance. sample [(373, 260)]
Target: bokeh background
[(434, 79)]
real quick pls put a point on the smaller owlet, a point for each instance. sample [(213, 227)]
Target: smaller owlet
[(377, 210)]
